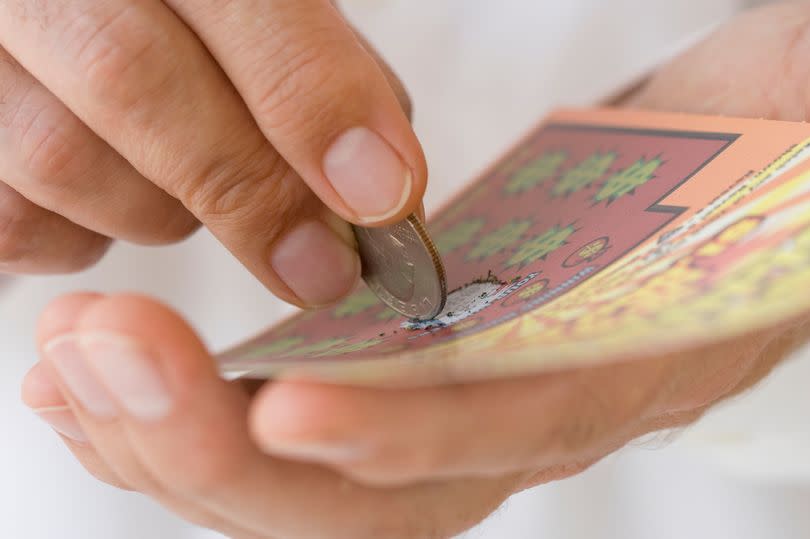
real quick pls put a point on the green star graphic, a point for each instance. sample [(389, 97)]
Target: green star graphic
[(499, 240), (584, 174), (541, 246), (626, 181), (458, 235), (535, 172)]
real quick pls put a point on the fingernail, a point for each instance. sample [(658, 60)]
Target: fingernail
[(129, 371), (62, 420), (64, 354), (123, 368), (368, 174), (316, 264)]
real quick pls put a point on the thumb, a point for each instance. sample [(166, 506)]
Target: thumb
[(322, 101)]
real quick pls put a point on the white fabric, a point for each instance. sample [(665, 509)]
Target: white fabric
[(481, 73)]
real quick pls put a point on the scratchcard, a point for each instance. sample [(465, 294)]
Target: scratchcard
[(603, 235)]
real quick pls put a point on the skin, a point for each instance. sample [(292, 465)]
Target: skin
[(299, 460), (106, 117)]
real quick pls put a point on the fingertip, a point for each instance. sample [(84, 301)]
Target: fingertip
[(317, 263), (276, 407), (61, 314), (136, 315), (371, 176), (39, 390), (287, 410), (182, 355), (403, 138)]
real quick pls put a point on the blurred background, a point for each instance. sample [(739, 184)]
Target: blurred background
[(481, 73)]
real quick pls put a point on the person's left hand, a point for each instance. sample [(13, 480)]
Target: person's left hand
[(139, 401)]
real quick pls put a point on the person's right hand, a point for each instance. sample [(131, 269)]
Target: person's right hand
[(268, 122)]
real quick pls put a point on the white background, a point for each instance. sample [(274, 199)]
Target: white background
[(481, 73)]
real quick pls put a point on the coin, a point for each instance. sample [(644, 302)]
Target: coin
[(403, 268)]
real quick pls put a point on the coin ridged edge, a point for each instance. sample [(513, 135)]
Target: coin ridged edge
[(421, 229)]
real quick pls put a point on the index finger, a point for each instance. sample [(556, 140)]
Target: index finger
[(142, 80)]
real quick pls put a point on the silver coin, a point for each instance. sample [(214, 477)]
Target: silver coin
[(403, 268)]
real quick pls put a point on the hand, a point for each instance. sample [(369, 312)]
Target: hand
[(269, 122), (138, 401)]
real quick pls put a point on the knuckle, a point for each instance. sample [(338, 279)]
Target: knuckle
[(120, 56), (707, 378), (595, 412), (293, 99), (590, 425), (235, 193), (13, 80), (46, 144), (581, 433), (41, 13)]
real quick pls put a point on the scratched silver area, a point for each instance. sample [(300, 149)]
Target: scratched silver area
[(403, 268)]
